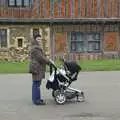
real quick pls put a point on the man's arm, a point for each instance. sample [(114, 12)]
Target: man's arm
[(40, 56)]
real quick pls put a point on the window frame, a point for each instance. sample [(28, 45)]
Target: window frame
[(22, 3), (94, 41), (85, 42), (6, 38)]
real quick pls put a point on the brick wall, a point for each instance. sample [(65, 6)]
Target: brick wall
[(109, 40), (63, 9)]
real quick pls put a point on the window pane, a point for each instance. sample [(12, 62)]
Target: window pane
[(73, 36), (97, 46), (93, 37), (80, 36), (93, 46), (77, 36), (19, 2), (89, 37), (79, 46), (77, 41), (73, 46), (90, 46), (11, 2), (96, 36), (20, 42), (85, 42), (3, 38), (93, 42), (26, 2)]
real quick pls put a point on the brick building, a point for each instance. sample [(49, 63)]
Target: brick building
[(79, 29)]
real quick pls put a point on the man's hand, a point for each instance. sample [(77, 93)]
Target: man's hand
[(51, 61)]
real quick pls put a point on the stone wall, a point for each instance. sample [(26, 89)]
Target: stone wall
[(19, 31), (13, 52)]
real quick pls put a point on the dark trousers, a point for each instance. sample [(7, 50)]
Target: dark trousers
[(36, 92)]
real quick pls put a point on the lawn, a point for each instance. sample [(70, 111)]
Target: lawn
[(87, 65), (100, 65), (13, 67)]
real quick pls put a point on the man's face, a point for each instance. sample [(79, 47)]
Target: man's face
[(38, 39)]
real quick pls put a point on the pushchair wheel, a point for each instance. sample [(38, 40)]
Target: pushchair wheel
[(60, 98)]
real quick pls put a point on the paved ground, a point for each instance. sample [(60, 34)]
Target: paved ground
[(101, 90)]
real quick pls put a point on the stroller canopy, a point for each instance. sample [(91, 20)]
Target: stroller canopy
[(72, 66)]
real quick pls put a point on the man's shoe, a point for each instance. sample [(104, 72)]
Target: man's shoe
[(42, 102), (39, 102)]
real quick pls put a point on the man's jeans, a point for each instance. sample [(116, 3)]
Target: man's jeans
[(36, 92)]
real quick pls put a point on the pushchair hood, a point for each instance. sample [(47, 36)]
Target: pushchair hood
[(72, 66)]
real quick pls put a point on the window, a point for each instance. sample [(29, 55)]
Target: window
[(21, 3), (20, 42), (93, 42), (3, 38), (26, 2), (11, 2), (82, 42), (77, 42)]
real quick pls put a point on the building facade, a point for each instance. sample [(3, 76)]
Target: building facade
[(78, 29)]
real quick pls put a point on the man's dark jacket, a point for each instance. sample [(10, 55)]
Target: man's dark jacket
[(38, 62)]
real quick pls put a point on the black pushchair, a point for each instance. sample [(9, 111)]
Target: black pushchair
[(61, 79)]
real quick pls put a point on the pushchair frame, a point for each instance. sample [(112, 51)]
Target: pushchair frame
[(61, 89)]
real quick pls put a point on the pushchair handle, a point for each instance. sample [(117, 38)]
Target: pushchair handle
[(52, 66)]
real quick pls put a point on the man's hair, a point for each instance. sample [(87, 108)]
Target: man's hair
[(35, 36)]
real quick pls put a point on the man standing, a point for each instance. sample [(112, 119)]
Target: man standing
[(38, 62)]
